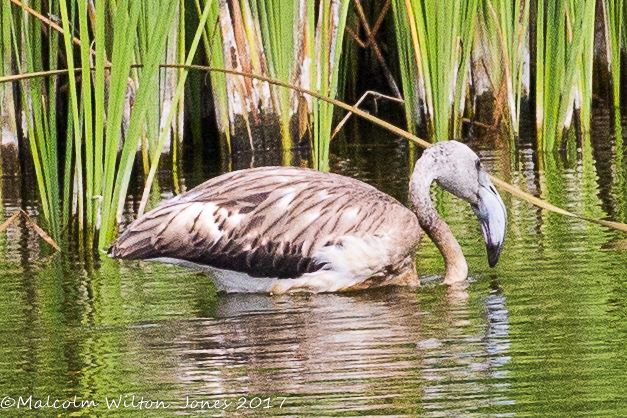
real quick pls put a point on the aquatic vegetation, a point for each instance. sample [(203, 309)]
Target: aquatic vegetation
[(81, 183), (283, 40), (564, 37), (119, 102), (74, 330), (549, 49), (436, 43), (504, 48), (614, 14)]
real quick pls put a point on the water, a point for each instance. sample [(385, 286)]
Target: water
[(542, 334)]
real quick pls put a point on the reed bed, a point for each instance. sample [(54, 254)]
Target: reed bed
[(436, 40), (547, 46), (116, 105), (564, 33), (281, 39), (614, 14), (83, 177), (504, 48)]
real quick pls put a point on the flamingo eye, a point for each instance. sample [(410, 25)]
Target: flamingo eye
[(478, 165)]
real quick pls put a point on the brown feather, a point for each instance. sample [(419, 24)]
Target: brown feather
[(267, 222)]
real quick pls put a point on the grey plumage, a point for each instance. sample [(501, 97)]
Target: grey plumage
[(293, 229), (266, 222)]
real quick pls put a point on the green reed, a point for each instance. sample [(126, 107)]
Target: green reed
[(436, 44), (439, 37), (411, 73), (614, 14), (328, 42), (563, 66), (38, 113), (583, 80), (165, 130), (281, 39), (504, 29), (278, 26), (86, 187), (115, 192)]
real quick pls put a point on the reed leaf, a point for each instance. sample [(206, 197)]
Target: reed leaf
[(410, 67), (614, 14), (99, 101), (172, 111), (88, 136), (75, 120), (441, 41), (562, 70), (113, 203), (583, 89), (505, 34), (328, 41), (278, 27), (125, 22), (37, 112)]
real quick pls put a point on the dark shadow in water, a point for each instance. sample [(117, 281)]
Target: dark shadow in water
[(603, 141)]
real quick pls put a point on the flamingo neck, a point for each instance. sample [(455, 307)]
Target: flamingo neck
[(425, 172)]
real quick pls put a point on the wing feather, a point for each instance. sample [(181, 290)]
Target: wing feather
[(266, 222)]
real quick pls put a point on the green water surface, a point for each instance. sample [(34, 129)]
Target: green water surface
[(542, 334)]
